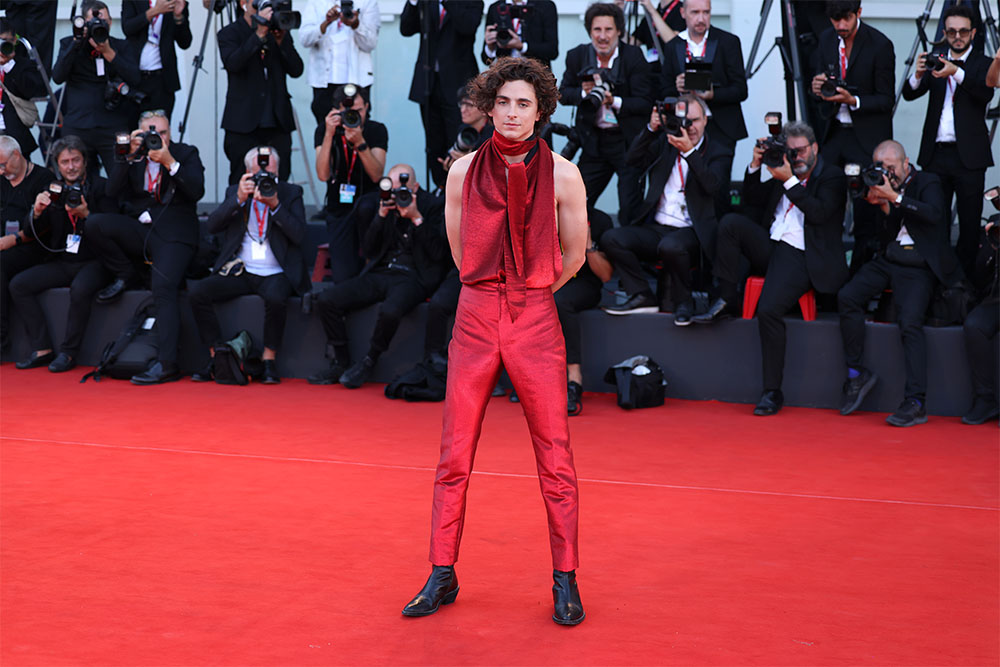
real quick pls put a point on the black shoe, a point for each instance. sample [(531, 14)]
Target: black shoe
[(770, 402), (855, 390), (62, 363), (514, 398), (982, 411), (158, 373), (441, 588), (498, 391), (271, 372), (329, 376), (112, 291), (719, 310), (909, 413), (637, 303), (683, 314), (206, 374), (574, 396), (358, 374), (566, 597), (36, 360)]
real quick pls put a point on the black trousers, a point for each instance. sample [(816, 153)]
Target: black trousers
[(607, 160), (723, 203), (122, 243), (205, 293), (676, 247), (236, 145), (37, 22), (345, 247), (158, 94), (442, 120), (84, 279), (980, 328), (100, 142), (322, 101), (912, 289), (576, 296), (440, 308), (842, 147), (12, 262), (967, 186), (397, 292)]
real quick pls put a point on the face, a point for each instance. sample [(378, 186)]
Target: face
[(411, 184), (959, 33), (805, 155), (604, 35), (898, 167), (698, 123), (846, 26), (100, 13), (161, 125), (470, 113), (11, 164), (71, 165), (698, 16), (515, 110)]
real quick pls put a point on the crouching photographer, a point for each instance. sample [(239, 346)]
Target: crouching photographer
[(159, 184), (262, 223), (57, 224)]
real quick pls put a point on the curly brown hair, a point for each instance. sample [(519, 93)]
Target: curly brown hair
[(483, 88)]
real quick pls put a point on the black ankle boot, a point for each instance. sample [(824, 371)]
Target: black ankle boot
[(566, 597), (441, 588)]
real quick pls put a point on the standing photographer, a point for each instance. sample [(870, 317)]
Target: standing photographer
[(521, 29), (151, 30), (262, 223), (350, 158), (474, 123), (159, 187), (94, 66), (259, 55), (18, 76), (608, 82)]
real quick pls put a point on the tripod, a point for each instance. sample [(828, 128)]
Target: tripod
[(788, 47), (47, 130), (919, 40)]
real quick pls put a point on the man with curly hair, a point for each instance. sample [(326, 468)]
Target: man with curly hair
[(517, 225)]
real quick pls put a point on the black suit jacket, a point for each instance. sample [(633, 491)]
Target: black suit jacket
[(971, 98), (540, 31), (870, 69), (174, 209), (632, 85), (823, 201), (430, 245), (708, 173), (450, 45), (83, 97), (729, 81), (25, 81), (53, 225), (286, 228), (136, 29), (249, 84)]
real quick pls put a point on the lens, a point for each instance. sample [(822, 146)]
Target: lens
[(6, 48), (403, 197)]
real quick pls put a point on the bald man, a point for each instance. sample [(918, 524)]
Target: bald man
[(406, 251)]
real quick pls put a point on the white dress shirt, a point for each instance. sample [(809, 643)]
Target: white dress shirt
[(672, 210), (788, 224), (946, 126), (341, 54)]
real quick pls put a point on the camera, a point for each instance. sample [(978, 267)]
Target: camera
[(150, 140), (265, 181), (993, 196), (351, 117), (6, 49), (401, 196), (774, 147), (698, 75), (875, 174), (602, 84), (117, 90), (466, 140), (934, 61), (673, 115), (505, 22), (64, 194), (572, 138), (96, 29), (855, 186), (833, 81), (347, 9), (282, 16)]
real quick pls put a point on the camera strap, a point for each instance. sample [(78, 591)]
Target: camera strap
[(349, 155), (152, 183)]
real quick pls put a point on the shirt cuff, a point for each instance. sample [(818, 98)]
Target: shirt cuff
[(616, 103), (688, 153), (490, 53), (857, 103), (791, 182), (959, 76), (412, 2), (278, 207), (524, 48), (753, 170), (174, 168), (914, 81)]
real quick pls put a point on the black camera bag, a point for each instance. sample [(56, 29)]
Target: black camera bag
[(635, 390), (133, 351)]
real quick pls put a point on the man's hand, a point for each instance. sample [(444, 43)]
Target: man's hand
[(884, 191), (410, 211), (817, 84), (161, 7), (272, 201), (946, 71), (8, 241), (875, 199), (104, 48), (609, 99), (921, 66), (450, 158), (515, 43), (81, 211), (386, 206), (679, 82), (353, 135), (706, 94), (682, 143), (262, 28), (42, 202), (654, 120), (333, 120), (354, 21), (279, 35), (587, 86), (162, 156), (491, 36), (782, 173), (758, 155), (136, 141), (246, 188), (179, 6)]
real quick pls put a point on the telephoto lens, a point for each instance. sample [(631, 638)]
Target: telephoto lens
[(6, 49), (466, 140)]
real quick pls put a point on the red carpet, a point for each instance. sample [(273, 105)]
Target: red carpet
[(204, 525)]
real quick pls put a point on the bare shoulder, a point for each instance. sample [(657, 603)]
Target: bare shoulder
[(566, 174), (456, 174)]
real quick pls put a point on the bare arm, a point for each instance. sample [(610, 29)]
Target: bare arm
[(571, 215), (453, 206), (993, 75)]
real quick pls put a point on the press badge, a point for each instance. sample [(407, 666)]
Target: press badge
[(610, 117), (258, 251), (100, 66), (73, 243), (347, 192)]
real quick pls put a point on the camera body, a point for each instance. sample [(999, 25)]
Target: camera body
[(603, 83), (150, 141), (400, 197), (466, 140), (698, 75), (673, 115), (347, 9), (116, 90), (505, 22), (96, 29), (64, 194), (282, 16), (875, 174), (774, 146), (350, 117), (934, 61), (572, 139), (833, 81)]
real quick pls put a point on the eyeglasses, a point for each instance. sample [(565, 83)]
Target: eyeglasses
[(466, 103), (154, 113), (800, 151), (952, 32)]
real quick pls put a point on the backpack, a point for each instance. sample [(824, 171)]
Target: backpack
[(424, 382), (133, 351), (639, 381)]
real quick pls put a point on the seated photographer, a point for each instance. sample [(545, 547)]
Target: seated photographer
[(676, 223), (158, 184), (793, 240), (262, 223), (913, 254), (473, 121), (20, 184), (18, 76), (97, 70), (350, 159), (406, 250), (151, 30), (521, 29), (57, 224), (983, 322), (608, 83)]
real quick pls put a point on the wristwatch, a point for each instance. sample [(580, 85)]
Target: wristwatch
[(899, 199), (593, 248), (361, 147)]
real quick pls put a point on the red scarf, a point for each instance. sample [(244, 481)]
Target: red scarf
[(513, 213)]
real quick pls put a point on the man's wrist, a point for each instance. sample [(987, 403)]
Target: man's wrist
[(361, 147)]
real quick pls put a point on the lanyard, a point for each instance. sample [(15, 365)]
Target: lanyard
[(153, 183), (354, 157), (441, 18), (153, 24), (791, 205), (3, 74), (687, 47), (260, 212), (680, 171), (670, 8), (72, 221)]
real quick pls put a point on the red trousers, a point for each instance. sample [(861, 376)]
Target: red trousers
[(534, 353)]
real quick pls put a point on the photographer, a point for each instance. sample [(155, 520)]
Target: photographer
[(608, 82), (262, 223), (406, 247), (258, 56), (677, 221), (350, 159), (855, 83), (956, 144), (159, 187), (97, 70), (151, 30), (57, 223), (473, 120), (445, 61), (522, 29), (341, 37), (18, 76), (793, 240), (913, 254)]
